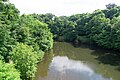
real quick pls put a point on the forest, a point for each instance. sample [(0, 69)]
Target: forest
[(100, 27), (24, 39)]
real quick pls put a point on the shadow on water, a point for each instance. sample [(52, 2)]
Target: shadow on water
[(105, 56), (111, 58), (108, 58), (42, 69)]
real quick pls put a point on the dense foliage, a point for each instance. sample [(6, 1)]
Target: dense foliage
[(23, 40), (34, 32), (8, 16), (25, 59), (100, 27), (8, 72)]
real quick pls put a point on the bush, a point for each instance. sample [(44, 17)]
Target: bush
[(25, 59), (8, 72)]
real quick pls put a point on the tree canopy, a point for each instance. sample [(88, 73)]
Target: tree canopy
[(23, 40)]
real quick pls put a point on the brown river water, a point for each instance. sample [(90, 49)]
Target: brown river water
[(67, 62)]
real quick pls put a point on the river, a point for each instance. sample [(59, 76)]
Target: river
[(84, 62)]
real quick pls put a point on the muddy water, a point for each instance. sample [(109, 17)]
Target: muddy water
[(66, 62)]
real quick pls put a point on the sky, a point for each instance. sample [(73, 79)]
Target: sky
[(61, 7)]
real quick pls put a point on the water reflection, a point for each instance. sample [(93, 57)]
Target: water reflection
[(62, 68), (42, 69)]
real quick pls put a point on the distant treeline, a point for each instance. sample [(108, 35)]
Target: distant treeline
[(101, 27)]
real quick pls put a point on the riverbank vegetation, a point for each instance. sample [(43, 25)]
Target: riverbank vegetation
[(23, 41), (100, 27), (25, 38)]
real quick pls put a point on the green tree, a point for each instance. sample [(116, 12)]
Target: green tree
[(5, 42), (116, 34), (109, 6), (8, 15), (111, 11), (81, 22), (34, 32)]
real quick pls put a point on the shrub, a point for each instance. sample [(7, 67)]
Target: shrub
[(25, 59), (8, 72)]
